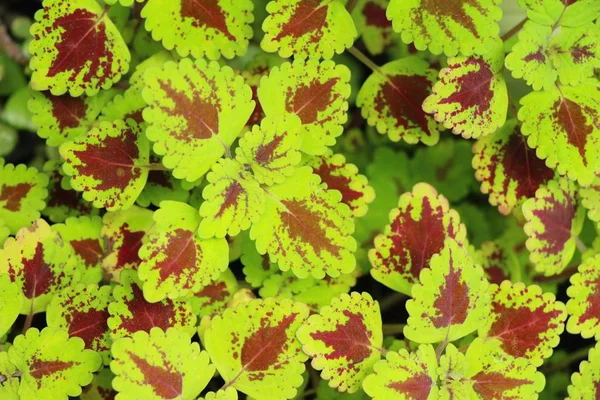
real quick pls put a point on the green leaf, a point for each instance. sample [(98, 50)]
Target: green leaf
[(255, 349), (390, 100), (465, 26), (307, 28), (52, 365), (162, 186), (109, 164), (590, 199), (195, 111), (101, 386), (305, 228), (584, 303), (317, 93), (257, 267), (159, 366), (4, 234), (344, 340), (554, 219), (585, 384), (470, 96), (15, 111), (22, 194), (174, 260), (561, 13), (62, 56), (9, 387), (372, 25), (213, 298), (9, 137), (11, 303), (562, 124), (405, 376), (452, 299)]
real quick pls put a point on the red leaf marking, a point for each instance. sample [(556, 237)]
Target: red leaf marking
[(556, 218), (375, 15), (166, 383), (417, 387), (206, 13), (306, 101), (492, 385), (572, 120), (88, 325), (265, 152), (308, 16), (146, 315), (88, 249), (258, 114), (327, 172), (160, 178), (453, 302), (180, 255), (69, 199), (40, 369), (216, 291), (37, 276), (592, 309), (68, 111), (581, 54), (231, 197), (536, 56), (13, 195), (451, 13), (494, 270), (127, 253), (349, 340)]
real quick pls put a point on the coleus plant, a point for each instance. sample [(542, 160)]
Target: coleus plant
[(237, 199)]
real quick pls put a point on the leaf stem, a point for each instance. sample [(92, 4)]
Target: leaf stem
[(393, 329), (28, 320), (440, 349), (155, 167), (362, 57), (513, 30), (580, 245), (391, 301)]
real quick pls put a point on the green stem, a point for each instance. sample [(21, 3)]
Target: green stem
[(580, 245), (390, 301), (28, 320), (513, 30), (393, 329), (362, 57)]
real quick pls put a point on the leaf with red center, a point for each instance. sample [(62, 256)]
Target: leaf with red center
[(451, 300), (554, 219), (564, 13), (174, 260), (563, 125), (101, 386), (51, 364), (585, 384), (109, 165), (195, 112), (202, 28), (418, 228), (255, 349), (233, 200), (307, 28), (405, 376), (470, 96), (391, 99), (22, 195), (316, 93), (214, 298), (76, 48), (584, 304), (497, 260), (508, 169), (590, 199), (372, 24), (526, 322), (344, 340), (123, 234), (131, 312), (11, 303), (160, 365), (40, 264), (306, 228)]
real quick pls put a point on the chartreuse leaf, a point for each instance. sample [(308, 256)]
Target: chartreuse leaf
[(101, 386), (257, 267), (213, 298), (124, 232), (497, 260), (390, 100), (523, 321), (130, 312), (508, 169), (554, 219), (174, 260), (452, 299), (255, 349), (195, 111), (233, 200), (162, 186), (9, 387), (109, 164), (52, 365), (22, 194), (227, 394), (585, 384), (204, 28), (372, 25), (590, 199), (417, 231), (487, 374), (271, 150), (471, 96), (40, 264), (4, 233), (159, 365), (307, 28), (405, 376), (559, 12), (305, 228), (344, 340), (11, 303), (563, 125), (317, 93), (82, 311), (76, 48), (63, 118), (465, 26), (584, 304), (337, 174)]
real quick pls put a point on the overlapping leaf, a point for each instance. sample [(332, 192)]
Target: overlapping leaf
[(585, 384), (471, 96), (9, 387), (255, 349), (159, 365), (417, 231), (174, 261), (559, 12), (101, 386), (554, 219), (196, 110), (372, 24), (161, 186), (307, 28), (563, 125), (257, 267), (452, 299), (317, 93), (497, 260), (305, 228), (213, 298), (11, 303), (76, 48), (391, 98), (584, 305), (590, 199)]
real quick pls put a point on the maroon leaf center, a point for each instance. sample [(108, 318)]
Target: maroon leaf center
[(13, 195), (165, 382), (308, 100), (308, 16), (206, 13)]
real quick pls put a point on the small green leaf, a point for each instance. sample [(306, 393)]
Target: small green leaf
[(560, 12), (257, 267), (11, 303)]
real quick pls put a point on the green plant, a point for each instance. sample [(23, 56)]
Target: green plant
[(207, 219)]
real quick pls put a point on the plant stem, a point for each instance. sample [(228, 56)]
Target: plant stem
[(362, 57), (11, 48), (390, 301), (28, 320), (580, 245), (156, 167), (393, 329), (513, 30)]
